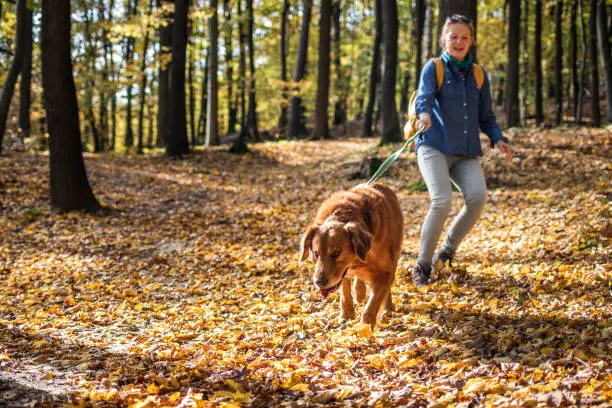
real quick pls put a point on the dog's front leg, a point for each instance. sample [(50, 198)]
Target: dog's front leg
[(379, 294), (346, 298), (360, 291)]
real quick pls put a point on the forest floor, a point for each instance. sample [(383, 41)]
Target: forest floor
[(190, 293)]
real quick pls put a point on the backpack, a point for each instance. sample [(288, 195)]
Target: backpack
[(410, 128)]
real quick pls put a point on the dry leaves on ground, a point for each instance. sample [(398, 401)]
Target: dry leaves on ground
[(190, 293)]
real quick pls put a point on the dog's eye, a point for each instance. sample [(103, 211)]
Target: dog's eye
[(315, 254), (335, 254)]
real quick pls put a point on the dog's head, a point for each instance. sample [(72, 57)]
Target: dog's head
[(333, 246)]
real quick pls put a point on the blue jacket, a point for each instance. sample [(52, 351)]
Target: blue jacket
[(457, 112)]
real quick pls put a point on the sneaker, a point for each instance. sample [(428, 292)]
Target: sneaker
[(443, 256), (420, 275)]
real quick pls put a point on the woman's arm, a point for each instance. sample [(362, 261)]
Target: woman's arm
[(428, 88), (488, 122)]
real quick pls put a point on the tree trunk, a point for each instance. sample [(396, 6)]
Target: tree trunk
[(165, 62), (428, 34), (240, 145), (70, 189), (405, 93), (574, 59), (104, 81), (13, 74), (447, 8), (143, 83), (113, 93), (297, 127), (25, 88), (512, 82), (229, 69), (91, 55), (252, 115), (203, 100), (524, 104), (604, 51), (390, 123), (178, 143), (192, 125), (283, 120), (340, 84), (374, 70), (595, 107), (583, 60), (132, 11), (212, 135), (559, 61), (321, 125), (419, 11), (539, 108)]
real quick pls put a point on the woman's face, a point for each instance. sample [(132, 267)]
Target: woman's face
[(458, 41)]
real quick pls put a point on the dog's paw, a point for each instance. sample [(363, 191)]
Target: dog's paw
[(346, 316)]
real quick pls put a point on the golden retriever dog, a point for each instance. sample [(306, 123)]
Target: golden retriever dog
[(356, 233)]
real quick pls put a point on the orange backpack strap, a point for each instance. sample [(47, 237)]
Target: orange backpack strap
[(439, 72), (478, 74)]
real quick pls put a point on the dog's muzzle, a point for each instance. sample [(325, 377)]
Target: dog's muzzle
[(325, 292)]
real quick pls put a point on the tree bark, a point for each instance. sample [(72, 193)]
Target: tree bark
[(25, 85), (192, 125), (91, 55), (104, 80), (143, 83), (131, 11), (178, 143), (574, 58), (539, 108), (229, 68), (297, 127), (559, 61), (70, 189), (390, 123), (203, 100), (512, 82), (419, 11), (428, 34), (283, 120), (583, 60), (13, 74), (321, 124), (165, 62), (595, 107), (374, 70), (341, 83), (212, 128), (604, 51), (252, 114)]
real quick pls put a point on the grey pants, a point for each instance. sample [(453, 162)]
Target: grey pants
[(438, 170)]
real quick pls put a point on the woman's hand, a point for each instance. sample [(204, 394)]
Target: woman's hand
[(505, 149), (424, 121)]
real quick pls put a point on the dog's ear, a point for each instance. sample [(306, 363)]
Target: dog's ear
[(306, 241), (360, 239)]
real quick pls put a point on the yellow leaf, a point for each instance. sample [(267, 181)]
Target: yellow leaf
[(408, 363), (472, 387), (173, 399), (138, 307), (546, 350), (580, 354), (363, 330), (344, 392), (40, 343), (152, 389), (236, 387), (300, 387)]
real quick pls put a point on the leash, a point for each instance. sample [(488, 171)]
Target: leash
[(387, 163)]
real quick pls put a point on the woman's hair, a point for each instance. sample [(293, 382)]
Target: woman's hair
[(457, 19)]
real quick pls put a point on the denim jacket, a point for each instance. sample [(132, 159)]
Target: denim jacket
[(457, 112)]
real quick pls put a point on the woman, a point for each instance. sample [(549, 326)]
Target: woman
[(449, 148)]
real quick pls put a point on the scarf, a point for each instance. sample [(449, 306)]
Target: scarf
[(463, 65)]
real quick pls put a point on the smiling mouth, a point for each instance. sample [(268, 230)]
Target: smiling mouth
[(325, 292)]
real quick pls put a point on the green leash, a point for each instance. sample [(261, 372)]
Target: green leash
[(387, 163)]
